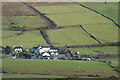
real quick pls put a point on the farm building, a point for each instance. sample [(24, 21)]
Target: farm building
[(42, 49), (18, 49), (59, 56)]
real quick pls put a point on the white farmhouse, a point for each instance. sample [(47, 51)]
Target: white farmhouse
[(88, 59), (18, 49), (53, 50), (46, 54), (45, 48)]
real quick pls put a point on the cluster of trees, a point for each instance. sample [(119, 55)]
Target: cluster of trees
[(26, 54), (9, 50)]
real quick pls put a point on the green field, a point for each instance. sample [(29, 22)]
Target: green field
[(106, 49), (110, 10), (73, 15), (114, 61), (105, 33), (9, 33), (100, 27), (70, 36), (5, 22), (61, 9), (28, 40), (57, 67), (63, 15), (30, 76), (112, 50), (29, 21), (24, 21)]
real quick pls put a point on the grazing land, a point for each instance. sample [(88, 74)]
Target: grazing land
[(17, 16), (29, 21), (106, 9), (103, 32), (106, 50), (28, 40), (52, 67), (79, 15), (9, 33), (70, 36)]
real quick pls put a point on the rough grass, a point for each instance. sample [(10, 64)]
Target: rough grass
[(16, 10), (5, 22), (9, 33), (70, 36), (29, 21), (28, 40), (110, 10), (52, 67)]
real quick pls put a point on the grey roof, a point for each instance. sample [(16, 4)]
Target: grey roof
[(58, 56), (18, 47)]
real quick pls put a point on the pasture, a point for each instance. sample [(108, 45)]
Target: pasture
[(61, 9), (70, 36), (61, 68), (29, 21), (72, 15), (110, 10), (106, 49), (103, 32), (28, 40), (9, 33), (19, 15)]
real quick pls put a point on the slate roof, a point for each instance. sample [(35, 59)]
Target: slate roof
[(58, 56), (18, 47)]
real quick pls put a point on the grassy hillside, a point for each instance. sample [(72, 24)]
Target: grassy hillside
[(61, 9), (110, 10), (28, 40), (73, 15), (52, 67), (70, 36), (29, 21), (103, 32), (102, 28), (15, 9), (9, 33)]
